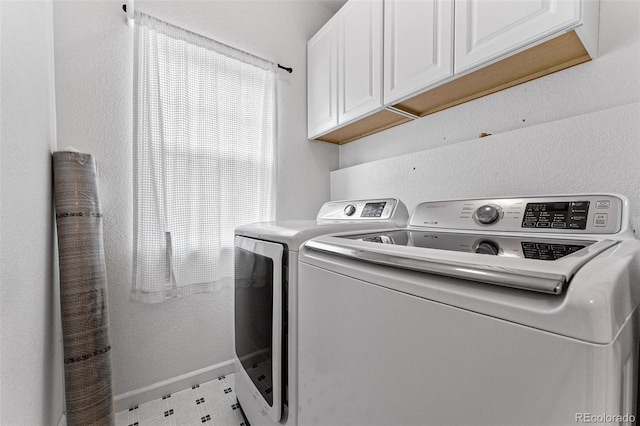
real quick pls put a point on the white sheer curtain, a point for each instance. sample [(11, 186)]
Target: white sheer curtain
[(204, 157)]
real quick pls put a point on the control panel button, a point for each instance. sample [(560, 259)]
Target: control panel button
[(486, 214), (600, 219), (603, 204)]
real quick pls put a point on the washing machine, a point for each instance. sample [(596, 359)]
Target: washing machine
[(265, 300), (512, 311)]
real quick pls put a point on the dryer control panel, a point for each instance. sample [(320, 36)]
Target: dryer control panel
[(364, 210), (586, 214)]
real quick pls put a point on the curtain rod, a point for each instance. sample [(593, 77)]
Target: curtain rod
[(130, 22)]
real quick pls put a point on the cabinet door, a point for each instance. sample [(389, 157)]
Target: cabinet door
[(490, 29), (418, 46), (322, 80), (360, 59)]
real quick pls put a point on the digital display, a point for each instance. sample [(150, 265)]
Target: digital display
[(373, 209), (558, 207), (556, 215)]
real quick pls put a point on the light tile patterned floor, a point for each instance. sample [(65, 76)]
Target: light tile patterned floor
[(211, 403)]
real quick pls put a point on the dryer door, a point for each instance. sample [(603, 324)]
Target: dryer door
[(258, 320)]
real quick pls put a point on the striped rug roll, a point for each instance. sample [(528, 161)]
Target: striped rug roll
[(83, 292)]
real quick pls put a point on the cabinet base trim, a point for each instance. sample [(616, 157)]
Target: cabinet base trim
[(373, 123), (551, 56)]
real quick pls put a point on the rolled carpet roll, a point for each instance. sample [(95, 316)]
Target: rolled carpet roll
[(83, 292)]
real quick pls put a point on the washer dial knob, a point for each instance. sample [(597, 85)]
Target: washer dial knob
[(487, 214), (350, 209)]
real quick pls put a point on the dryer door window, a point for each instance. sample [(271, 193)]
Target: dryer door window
[(258, 317)]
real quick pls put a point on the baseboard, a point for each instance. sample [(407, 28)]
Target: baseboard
[(175, 384)]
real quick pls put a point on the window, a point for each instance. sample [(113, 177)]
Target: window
[(204, 157)]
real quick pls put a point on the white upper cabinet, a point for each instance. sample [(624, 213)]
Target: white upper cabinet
[(344, 66), (486, 30), (380, 63), (418, 46), (359, 58), (322, 80)]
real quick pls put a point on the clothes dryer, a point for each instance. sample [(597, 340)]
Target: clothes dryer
[(265, 300)]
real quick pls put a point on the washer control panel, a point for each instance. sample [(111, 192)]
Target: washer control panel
[(588, 214)]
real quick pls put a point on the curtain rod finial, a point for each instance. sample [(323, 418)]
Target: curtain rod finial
[(289, 70), (130, 18)]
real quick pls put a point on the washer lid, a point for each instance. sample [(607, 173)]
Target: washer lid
[(536, 264)]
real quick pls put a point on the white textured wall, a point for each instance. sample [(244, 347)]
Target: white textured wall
[(31, 384), (612, 79), (591, 153), (93, 57)]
